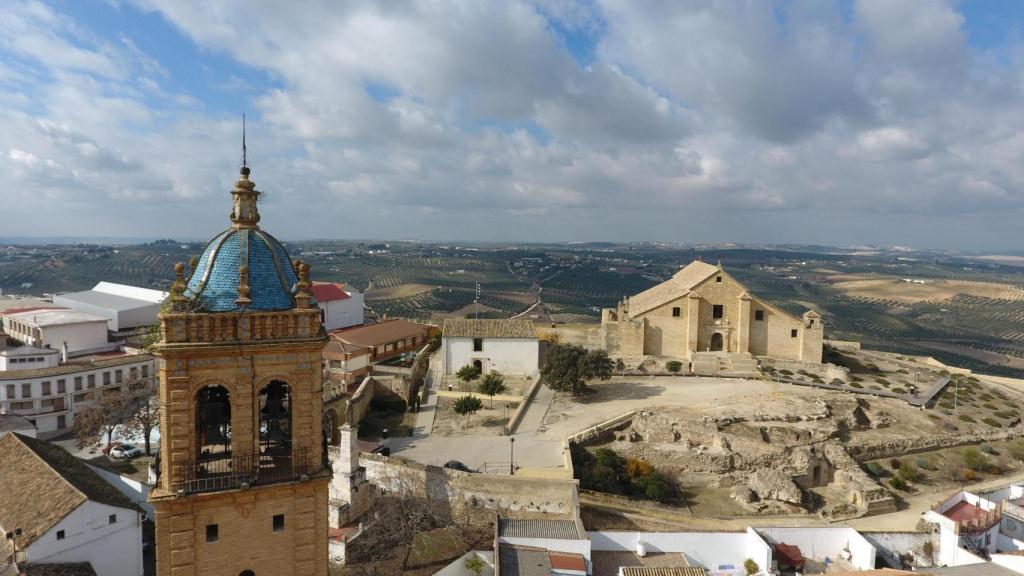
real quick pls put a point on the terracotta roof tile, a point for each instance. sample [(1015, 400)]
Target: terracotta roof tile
[(327, 292), (381, 333), (469, 328)]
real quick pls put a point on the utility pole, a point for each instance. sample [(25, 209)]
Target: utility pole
[(511, 456), (476, 303)]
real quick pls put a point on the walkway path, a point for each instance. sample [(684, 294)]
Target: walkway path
[(425, 417)]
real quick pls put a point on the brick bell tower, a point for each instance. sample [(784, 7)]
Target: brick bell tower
[(242, 480)]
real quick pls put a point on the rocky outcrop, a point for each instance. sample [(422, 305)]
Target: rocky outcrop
[(771, 484)]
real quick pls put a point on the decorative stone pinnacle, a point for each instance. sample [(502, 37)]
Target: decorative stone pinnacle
[(245, 213), (192, 263), (302, 297), (177, 296), (244, 292)]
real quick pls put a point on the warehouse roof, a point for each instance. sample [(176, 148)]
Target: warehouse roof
[(54, 317), (469, 328), (115, 302)]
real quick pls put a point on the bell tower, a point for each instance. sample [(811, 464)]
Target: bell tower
[(242, 480)]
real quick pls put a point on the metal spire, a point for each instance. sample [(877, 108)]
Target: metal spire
[(244, 157)]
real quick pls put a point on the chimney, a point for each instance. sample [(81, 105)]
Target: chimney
[(64, 352)]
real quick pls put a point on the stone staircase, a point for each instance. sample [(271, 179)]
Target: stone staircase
[(724, 364)]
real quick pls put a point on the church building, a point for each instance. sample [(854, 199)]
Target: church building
[(242, 473), (703, 309)]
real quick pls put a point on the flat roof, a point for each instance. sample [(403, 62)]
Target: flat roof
[(26, 351), (55, 317), (77, 365), (373, 335), (113, 302)]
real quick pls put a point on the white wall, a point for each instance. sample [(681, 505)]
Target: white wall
[(510, 356), (112, 549), (343, 313), (84, 336), (1014, 562), (552, 544), (819, 542), (950, 553), (136, 491), (712, 550)]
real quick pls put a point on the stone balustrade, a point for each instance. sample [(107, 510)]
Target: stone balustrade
[(240, 327)]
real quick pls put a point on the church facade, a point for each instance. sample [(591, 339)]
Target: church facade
[(242, 476), (704, 309)]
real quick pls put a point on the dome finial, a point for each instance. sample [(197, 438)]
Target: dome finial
[(244, 171), (245, 213)]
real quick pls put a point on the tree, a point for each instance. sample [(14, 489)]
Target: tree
[(908, 472), (467, 374), (490, 385), (467, 405), (568, 368), (106, 411), (143, 407), (655, 486)]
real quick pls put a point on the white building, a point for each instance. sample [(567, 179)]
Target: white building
[(505, 346), (48, 396), (123, 306), (56, 328), (66, 513), (342, 306), (24, 357)]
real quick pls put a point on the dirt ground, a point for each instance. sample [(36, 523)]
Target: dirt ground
[(400, 291), (909, 293), (487, 421)]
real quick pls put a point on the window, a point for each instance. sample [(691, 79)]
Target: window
[(92, 380), (118, 375), (112, 519), (106, 378), (46, 388), (793, 333), (812, 322), (62, 422), (26, 390), (211, 533), (759, 315), (10, 391), (718, 278), (78, 383), (717, 311), (145, 370), (22, 405), (60, 534), (675, 311), (279, 523), (62, 386), (478, 344)]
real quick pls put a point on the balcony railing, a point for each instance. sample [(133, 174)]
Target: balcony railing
[(229, 472)]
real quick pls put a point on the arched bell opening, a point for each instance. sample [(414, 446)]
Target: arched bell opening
[(213, 429), (275, 403)]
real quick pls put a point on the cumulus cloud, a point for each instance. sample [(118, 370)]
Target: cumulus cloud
[(796, 121)]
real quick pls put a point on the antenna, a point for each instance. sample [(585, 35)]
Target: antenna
[(244, 156)]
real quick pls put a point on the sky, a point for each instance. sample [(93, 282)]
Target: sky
[(884, 122)]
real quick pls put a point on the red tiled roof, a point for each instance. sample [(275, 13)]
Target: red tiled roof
[(964, 512), (789, 555), (381, 333), (326, 292), (565, 561)]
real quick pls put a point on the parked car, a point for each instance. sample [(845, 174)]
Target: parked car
[(124, 452), (456, 465)]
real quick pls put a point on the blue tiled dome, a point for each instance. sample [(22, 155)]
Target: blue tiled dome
[(272, 279)]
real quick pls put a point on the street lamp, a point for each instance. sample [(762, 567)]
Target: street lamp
[(13, 537), (512, 456)]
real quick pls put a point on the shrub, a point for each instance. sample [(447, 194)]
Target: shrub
[(751, 567), (603, 478), (608, 457), (992, 422), (895, 463), (1006, 414), (987, 449), (882, 381), (946, 404), (989, 406), (785, 372), (1016, 449), (994, 469), (966, 418), (899, 390), (974, 459), (655, 486), (970, 475), (897, 483), (856, 385), (673, 365), (908, 473), (637, 467), (922, 464), (873, 367)]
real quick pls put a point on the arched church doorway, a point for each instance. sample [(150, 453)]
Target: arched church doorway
[(717, 342), (479, 365)]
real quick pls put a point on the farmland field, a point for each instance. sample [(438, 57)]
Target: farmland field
[(964, 310)]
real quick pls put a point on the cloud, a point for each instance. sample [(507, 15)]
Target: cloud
[(795, 121)]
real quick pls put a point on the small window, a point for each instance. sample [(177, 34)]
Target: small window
[(46, 388), (812, 322), (718, 278), (793, 333), (279, 523), (10, 391), (78, 383), (145, 371), (60, 534), (62, 386), (211, 533), (91, 380), (478, 344), (675, 311), (26, 390), (112, 519), (106, 378), (118, 375), (759, 315), (717, 311)]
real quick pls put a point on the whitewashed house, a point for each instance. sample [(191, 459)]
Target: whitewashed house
[(508, 347), (342, 306), (64, 512)]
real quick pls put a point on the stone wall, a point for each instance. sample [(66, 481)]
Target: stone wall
[(464, 490)]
